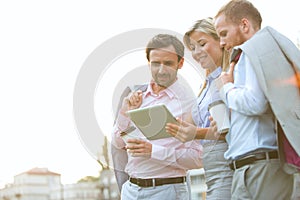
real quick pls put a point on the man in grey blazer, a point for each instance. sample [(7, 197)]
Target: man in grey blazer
[(277, 64), (246, 89)]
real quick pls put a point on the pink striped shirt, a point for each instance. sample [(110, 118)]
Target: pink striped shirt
[(170, 157)]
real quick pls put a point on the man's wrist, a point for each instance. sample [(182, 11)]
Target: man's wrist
[(123, 112), (123, 122)]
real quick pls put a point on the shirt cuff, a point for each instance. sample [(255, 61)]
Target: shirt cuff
[(123, 122)]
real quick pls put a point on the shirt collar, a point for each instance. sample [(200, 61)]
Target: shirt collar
[(169, 90), (215, 74)]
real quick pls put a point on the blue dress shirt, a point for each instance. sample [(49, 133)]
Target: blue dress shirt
[(252, 120), (209, 94)]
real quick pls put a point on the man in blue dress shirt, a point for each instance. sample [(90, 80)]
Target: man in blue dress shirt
[(252, 138)]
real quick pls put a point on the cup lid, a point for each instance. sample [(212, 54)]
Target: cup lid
[(214, 103)]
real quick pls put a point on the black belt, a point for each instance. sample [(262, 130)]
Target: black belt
[(247, 160), (157, 181)]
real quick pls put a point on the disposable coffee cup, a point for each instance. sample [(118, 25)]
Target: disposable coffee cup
[(220, 113)]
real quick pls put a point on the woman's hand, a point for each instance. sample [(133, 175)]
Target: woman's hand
[(213, 130), (184, 131)]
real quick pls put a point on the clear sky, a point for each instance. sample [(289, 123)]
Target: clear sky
[(43, 46)]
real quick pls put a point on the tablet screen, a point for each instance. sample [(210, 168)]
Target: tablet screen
[(152, 121)]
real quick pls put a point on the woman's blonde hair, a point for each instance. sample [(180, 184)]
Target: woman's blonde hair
[(206, 26)]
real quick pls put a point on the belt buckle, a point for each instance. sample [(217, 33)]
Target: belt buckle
[(153, 182)]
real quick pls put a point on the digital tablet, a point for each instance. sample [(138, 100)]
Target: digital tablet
[(151, 121)]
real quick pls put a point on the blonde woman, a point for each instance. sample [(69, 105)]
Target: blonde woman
[(204, 44)]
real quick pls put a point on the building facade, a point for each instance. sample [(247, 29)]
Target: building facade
[(42, 184), (35, 184)]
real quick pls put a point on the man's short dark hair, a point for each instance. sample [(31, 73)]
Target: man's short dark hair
[(165, 40)]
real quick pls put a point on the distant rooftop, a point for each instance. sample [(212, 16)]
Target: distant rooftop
[(40, 171)]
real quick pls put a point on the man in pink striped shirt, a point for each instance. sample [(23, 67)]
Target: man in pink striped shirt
[(157, 168)]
